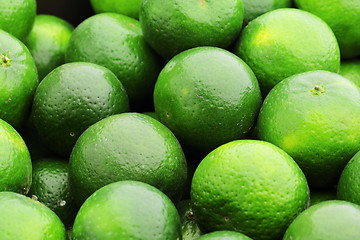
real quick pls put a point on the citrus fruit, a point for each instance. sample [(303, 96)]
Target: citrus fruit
[(73, 97), (318, 196), (313, 117), (207, 96), (116, 42), (189, 228), (255, 8), (26, 218), (127, 210), (50, 186), (224, 235), (129, 8), (330, 220), (285, 42), (17, 17), (248, 186), (18, 80), (15, 162), (128, 146), (349, 183), (351, 70), (152, 114), (343, 16), (47, 42), (173, 26)]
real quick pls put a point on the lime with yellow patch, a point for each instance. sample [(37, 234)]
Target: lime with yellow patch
[(15, 161), (285, 42), (18, 80), (314, 116), (127, 210)]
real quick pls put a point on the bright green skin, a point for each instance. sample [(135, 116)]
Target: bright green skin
[(255, 8), (18, 80), (73, 97), (318, 196), (15, 161), (127, 210), (17, 17), (128, 146), (248, 186), (224, 235), (343, 16), (349, 183), (173, 26), (329, 220), (319, 129), (189, 227), (129, 8), (116, 42), (351, 70), (50, 184), (25, 218), (285, 42), (207, 96), (47, 42)]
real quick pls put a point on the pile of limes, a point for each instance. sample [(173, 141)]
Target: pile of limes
[(181, 119)]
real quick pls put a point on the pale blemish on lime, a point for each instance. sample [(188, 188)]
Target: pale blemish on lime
[(131, 25), (202, 2), (185, 91)]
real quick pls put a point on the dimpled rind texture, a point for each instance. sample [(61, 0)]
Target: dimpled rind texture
[(320, 131), (351, 70), (116, 42), (50, 184), (17, 17), (349, 183), (285, 42), (128, 146), (73, 97), (207, 96), (15, 161), (47, 42), (173, 26), (25, 218), (17, 81), (343, 16), (127, 210), (224, 235), (129, 8), (255, 8), (248, 186), (330, 220)]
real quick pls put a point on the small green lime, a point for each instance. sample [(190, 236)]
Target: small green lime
[(129, 8), (351, 70), (224, 235), (189, 227)]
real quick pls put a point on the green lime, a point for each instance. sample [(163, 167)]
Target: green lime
[(343, 16), (152, 114), (73, 97), (207, 96), (224, 235), (116, 42), (349, 183), (351, 70), (50, 186), (248, 186), (318, 196), (18, 80), (15, 161), (255, 8), (26, 218), (285, 42), (128, 146), (173, 26), (330, 220), (127, 210), (129, 8), (47, 42), (17, 17), (314, 116), (189, 227)]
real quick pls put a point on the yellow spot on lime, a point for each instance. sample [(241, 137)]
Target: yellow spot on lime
[(185, 91), (262, 37), (131, 25)]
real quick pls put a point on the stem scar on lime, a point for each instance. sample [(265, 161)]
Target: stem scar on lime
[(318, 90), (5, 60)]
